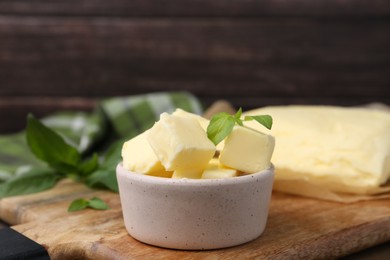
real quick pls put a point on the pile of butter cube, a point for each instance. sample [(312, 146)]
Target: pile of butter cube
[(177, 146)]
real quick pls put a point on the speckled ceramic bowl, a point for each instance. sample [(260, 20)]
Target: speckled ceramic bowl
[(195, 214)]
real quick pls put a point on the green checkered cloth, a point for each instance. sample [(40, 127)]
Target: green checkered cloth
[(114, 119)]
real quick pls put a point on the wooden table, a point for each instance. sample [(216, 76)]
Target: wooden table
[(298, 228)]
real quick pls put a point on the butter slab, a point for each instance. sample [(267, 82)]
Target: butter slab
[(343, 149)]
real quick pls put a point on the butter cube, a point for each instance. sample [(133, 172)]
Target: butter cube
[(188, 173), (247, 150), (180, 143), (139, 157), (163, 174), (204, 123), (215, 170)]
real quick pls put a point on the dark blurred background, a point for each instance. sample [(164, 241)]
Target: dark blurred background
[(57, 55)]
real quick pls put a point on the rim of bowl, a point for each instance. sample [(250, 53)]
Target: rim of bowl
[(195, 182)]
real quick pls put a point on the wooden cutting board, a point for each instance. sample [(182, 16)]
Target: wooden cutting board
[(297, 228)]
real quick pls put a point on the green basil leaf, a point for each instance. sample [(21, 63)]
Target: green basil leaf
[(81, 203), (89, 166), (78, 204), (239, 113), (219, 127), (105, 176), (34, 180), (103, 179), (97, 203), (265, 120), (113, 156), (50, 147), (237, 117)]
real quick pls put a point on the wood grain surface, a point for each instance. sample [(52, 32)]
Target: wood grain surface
[(297, 228)]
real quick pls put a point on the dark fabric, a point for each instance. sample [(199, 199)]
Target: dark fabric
[(15, 246)]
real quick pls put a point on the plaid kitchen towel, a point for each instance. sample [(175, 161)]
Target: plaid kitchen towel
[(118, 118)]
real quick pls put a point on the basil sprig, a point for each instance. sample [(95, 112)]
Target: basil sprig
[(64, 161), (51, 148), (94, 203), (221, 124)]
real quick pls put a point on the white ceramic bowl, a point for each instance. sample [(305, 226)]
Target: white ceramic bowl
[(195, 214)]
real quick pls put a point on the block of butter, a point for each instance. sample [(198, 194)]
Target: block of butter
[(139, 157), (215, 170), (180, 144), (195, 173), (345, 150), (247, 150), (202, 121)]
